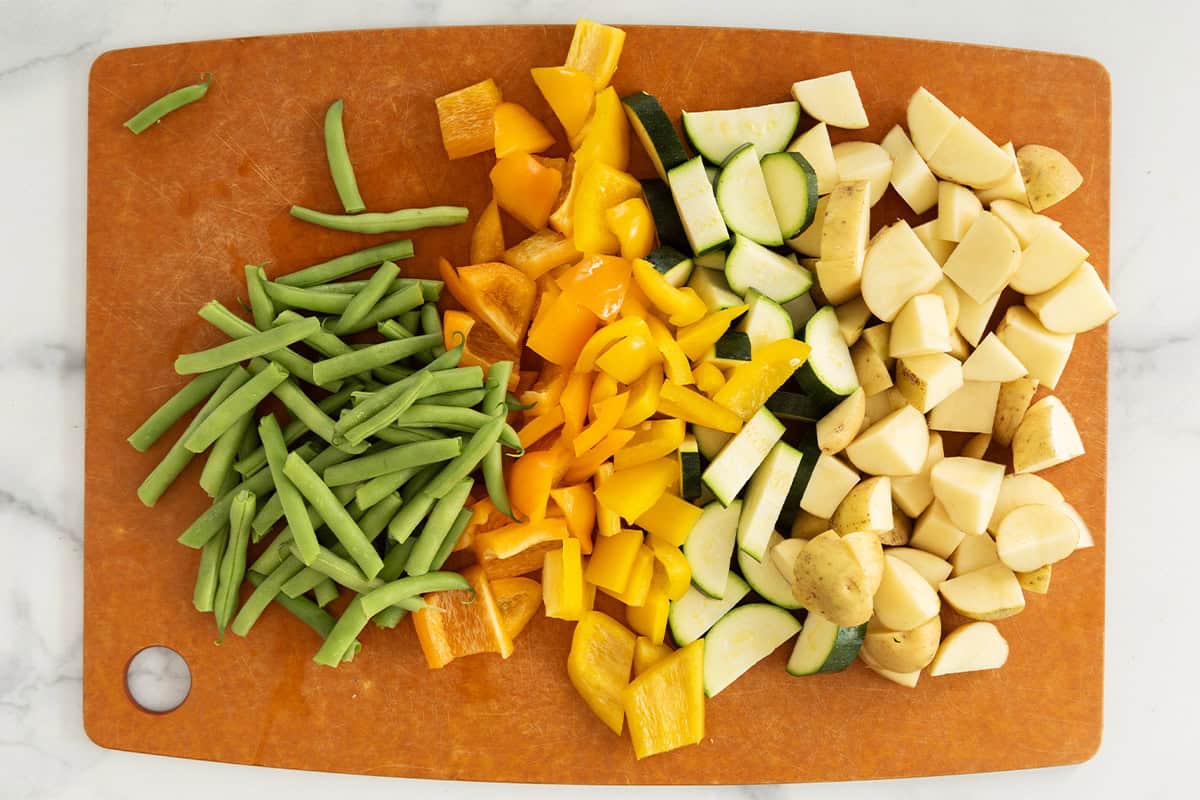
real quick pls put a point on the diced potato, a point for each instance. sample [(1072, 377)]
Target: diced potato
[(1011, 188), (911, 177), (866, 507), (830, 482), (864, 161), (967, 488), (878, 407), (977, 446), (986, 258), (901, 530), (896, 445), (1030, 537), (808, 243), (1047, 261), (974, 552), (1046, 437), (852, 317), (973, 317), (839, 427), (926, 381), (869, 552), (970, 648), (906, 679), (938, 247), (1043, 352), (1078, 304), (904, 599), (913, 493), (830, 581), (1022, 490), (1037, 581), (1011, 405), (971, 409), (992, 361), (920, 328), (969, 157), (958, 208), (903, 651), (958, 346), (896, 268), (784, 555), (935, 533), (929, 121), (806, 525), (879, 336), (814, 145), (1085, 533), (844, 240), (832, 99), (1049, 175), (1023, 222), (932, 569), (872, 372), (986, 594)]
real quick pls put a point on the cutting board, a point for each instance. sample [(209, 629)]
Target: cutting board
[(173, 215)]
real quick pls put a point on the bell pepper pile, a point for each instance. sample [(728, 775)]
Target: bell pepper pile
[(617, 373)]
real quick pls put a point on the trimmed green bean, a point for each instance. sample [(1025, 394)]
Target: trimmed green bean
[(324, 342), (242, 401), (340, 168), (264, 592), (391, 373), (410, 516), (206, 526), (272, 510), (411, 319), (340, 267), (256, 344), (465, 398), (312, 615), (325, 592), (405, 219), (178, 457), (261, 305), (307, 299), (249, 442), (343, 526), (437, 526), (392, 411), (392, 305), (290, 499), (389, 594), (375, 519), (342, 637), (410, 435), (393, 567), (219, 464), (277, 550), (376, 355), (169, 102), (303, 408), (335, 567), (493, 461), (362, 303), (292, 431), (405, 456), (465, 420), (390, 617), (441, 381), (188, 397), (235, 327), (233, 562), (465, 462), (392, 329), (431, 322), (456, 532), (431, 289), (370, 493), (207, 574)]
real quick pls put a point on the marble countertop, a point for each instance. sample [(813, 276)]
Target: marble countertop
[(45, 50)]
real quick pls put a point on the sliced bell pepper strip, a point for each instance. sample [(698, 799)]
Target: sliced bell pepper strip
[(632, 492), (641, 575), (670, 519), (529, 482), (526, 188), (578, 505), (569, 93), (518, 549), (604, 386), (604, 338), (665, 704), (608, 523), (628, 359), (643, 397), (518, 131), (595, 50), (598, 283), (608, 412), (690, 406), (652, 441), (562, 331), (675, 361), (612, 560), (540, 426), (676, 570), (518, 600), (682, 305), (709, 378), (630, 221), (540, 253), (598, 665), (562, 581), (600, 188), (696, 339), (649, 618), (487, 240), (605, 139), (465, 118), (501, 297), (646, 654), (461, 623), (751, 384), (562, 219), (545, 391), (575, 400), (586, 465)]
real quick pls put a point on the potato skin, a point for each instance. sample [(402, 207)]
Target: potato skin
[(830, 581), (904, 651)]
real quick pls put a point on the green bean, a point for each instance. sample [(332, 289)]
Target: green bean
[(391, 329), (456, 532), (432, 323), (465, 462), (376, 518), (264, 592), (465, 420), (168, 103), (325, 592), (431, 290), (405, 456), (307, 299), (441, 381), (343, 526), (277, 550), (410, 435), (312, 615), (335, 567), (249, 442), (256, 344), (405, 219), (219, 464), (493, 462), (324, 342), (291, 501), (389, 594), (260, 303), (242, 401), (206, 526), (303, 408), (362, 303), (272, 510), (390, 373), (512, 404), (170, 412), (235, 327), (371, 492), (390, 617), (466, 398), (340, 267), (410, 516), (233, 562), (376, 355), (392, 411), (292, 431), (437, 526), (342, 637), (411, 319), (178, 457), (207, 574), (392, 305), (340, 168)]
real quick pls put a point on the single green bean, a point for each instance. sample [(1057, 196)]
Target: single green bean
[(370, 493), (307, 299), (431, 290), (272, 511), (170, 412), (292, 431), (335, 567), (249, 442), (405, 219), (392, 305), (465, 420), (392, 411), (344, 632), (303, 408), (391, 593), (231, 480), (405, 456), (390, 617), (264, 592), (375, 519), (362, 303), (260, 303), (343, 526), (376, 355), (410, 435), (411, 319), (340, 168), (437, 526), (393, 567), (340, 267), (465, 398), (206, 526), (178, 457), (242, 401), (391, 373), (235, 327), (493, 461), (391, 329), (312, 615), (219, 465), (324, 342), (456, 532), (207, 575), (431, 322), (233, 562), (256, 344), (168, 103), (325, 592), (291, 501), (465, 462), (410, 516)]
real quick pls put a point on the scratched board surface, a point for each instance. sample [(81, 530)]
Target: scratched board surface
[(173, 215)]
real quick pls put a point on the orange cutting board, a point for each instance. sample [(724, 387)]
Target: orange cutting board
[(173, 215)]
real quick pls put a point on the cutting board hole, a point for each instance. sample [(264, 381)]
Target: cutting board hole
[(158, 679)]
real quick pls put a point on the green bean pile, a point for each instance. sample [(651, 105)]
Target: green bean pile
[(388, 437)]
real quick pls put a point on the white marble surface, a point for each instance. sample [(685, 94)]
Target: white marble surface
[(45, 50)]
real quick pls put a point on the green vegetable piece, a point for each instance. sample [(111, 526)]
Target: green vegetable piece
[(405, 219), (169, 102), (170, 412)]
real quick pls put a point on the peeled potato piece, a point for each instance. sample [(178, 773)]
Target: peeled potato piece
[(896, 268), (992, 592), (913, 493), (1047, 261), (986, 259), (969, 157), (920, 328), (970, 409), (867, 507), (864, 161), (969, 648), (967, 488), (896, 445), (974, 552), (958, 207), (1030, 537), (1024, 223), (903, 651), (932, 569), (904, 600), (839, 427), (911, 177), (1046, 437), (830, 581), (1049, 175), (938, 247), (784, 556), (973, 317), (1011, 188), (992, 361), (1078, 304), (1043, 352), (814, 145), (929, 121), (946, 290), (1025, 489), (977, 446), (832, 99)]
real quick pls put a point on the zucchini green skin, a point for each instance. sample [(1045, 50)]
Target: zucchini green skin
[(673, 265), (793, 228), (666, 216), (795, 406), (806, 377), (845, 649), (809, 453), (655, 131), (691, 465)]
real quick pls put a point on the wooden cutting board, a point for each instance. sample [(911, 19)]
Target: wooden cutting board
[(173, 215)]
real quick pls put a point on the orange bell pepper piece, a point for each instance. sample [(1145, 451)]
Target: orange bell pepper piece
[(578, 506), (670, 519), (601, 187), (608, 412), (598, 665), (751, 384), (675, 361), (586, 465), (595, 50), (500, 296), (545, 390), (612, 560), (697, 338), (518, 600), (653, 440), (598, 283), (465, 118), (649, 618), (456, 327), (529, 483), (526, 188), (575, 400), (487, 240), (458, 624), (562, 331), (665, 703), (641, 575), (608, 523), (562, 219), (628, 359), (540, 426), (562, 581), (646, 654), (518, 131), (541, 252), (636, 304), (631, 222), (605, 140), (569, 93), (689, 406), (518, 549), (643, 397)]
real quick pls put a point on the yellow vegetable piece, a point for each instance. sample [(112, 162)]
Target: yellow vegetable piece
[(636, 304), (646, 654), (465, 117), (540, 253), (589, 595), (599, 663), (632, 492), (681, 305), (605, 140), (709, 378), (601, 187), (670, 519), (689, 406), (518, 131), (628, 359), (676, 570), (769, 368), (604, 386), (675, 361), (606, 336), (612, 560), (641, 575), (562, 581), (656, 439), (665, 704), (596, 49), (631, 222), (608, 412), (608, 523), (569, 93), (650, 618), (695, 339)]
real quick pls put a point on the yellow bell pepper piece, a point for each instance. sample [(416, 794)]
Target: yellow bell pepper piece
[(632, 492), (569, 93), (540, 253), (562, 581), (604, 386), (709, 379), (630, 221), (654, 440), (650, 618), (675, 361), (599, 663), (676, 570), (605, 140), (589, 595), (602, 338), (752, 383), (681, 305), (665, 704), (574, 402), (562, 219), (608, 523), (670, 519), (525, 188), (636, 304), (643, 397), (689, 406), (600, 188), (586, 465), (695, 339), (596, 49), (628, 359), (646, 654), (560, 331), (612, 560), (518, 131), (641, 574), (608, 412)]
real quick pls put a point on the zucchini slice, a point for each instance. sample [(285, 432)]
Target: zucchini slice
[(666, 216), (795, 406), (792, 187), (765, 578), (738, 460), (801, 310), (765, 321), (712, 288), (741, 639), (716, 134), (710, 441), (810, 454), (692, 615), (764, 500), (655, 131), (828, 375), (671, 264), (752, 266), (714, 259), (690, 467), (732, 349), (824, 646), (743, 198), (697, 206), (709, 547)]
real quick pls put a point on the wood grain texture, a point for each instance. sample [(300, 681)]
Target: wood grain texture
[(173, 215)]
